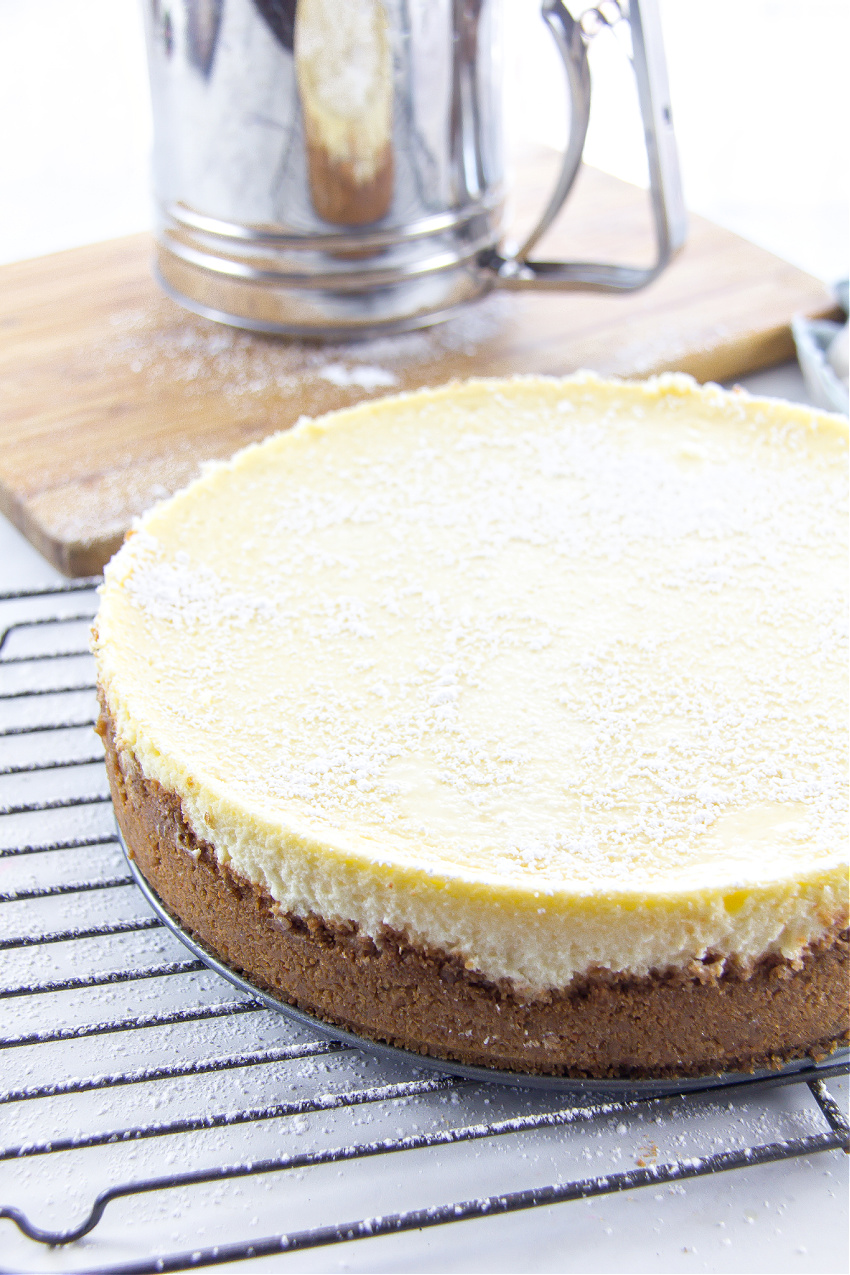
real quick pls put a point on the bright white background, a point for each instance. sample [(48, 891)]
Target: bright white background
[(760, 105), (759, 90)]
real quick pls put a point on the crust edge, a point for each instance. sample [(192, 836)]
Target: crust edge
[(603, 1026)]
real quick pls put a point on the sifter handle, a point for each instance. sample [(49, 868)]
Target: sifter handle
[(668, 210)]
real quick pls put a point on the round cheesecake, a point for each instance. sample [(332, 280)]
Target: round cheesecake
[(505, 722)]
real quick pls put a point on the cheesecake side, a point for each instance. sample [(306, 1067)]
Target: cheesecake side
[(715, 1017), (632, 864)]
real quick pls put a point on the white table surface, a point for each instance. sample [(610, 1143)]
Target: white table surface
[(73, 170), (785, 1217)]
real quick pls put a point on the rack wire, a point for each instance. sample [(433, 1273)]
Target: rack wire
[(151, 1114)]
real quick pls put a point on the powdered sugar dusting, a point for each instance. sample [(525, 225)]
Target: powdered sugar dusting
[(187, 595), (569, 640), (212, 360), (362, 375), (219, 388)]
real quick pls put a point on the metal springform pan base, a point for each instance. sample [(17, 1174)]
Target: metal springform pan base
[(800, 1069)]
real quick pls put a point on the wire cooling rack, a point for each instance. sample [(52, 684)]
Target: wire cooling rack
[(155, 1120)]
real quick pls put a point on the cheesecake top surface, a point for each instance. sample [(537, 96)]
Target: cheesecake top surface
[(527, 642)]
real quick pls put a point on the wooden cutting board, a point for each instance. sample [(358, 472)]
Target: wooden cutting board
[(113, 395)]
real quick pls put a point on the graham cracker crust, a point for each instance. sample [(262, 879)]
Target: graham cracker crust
[(337, 195), (388, 989)]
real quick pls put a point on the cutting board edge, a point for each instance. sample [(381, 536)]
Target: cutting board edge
[(759, 291), (729, 359), (75, 559)]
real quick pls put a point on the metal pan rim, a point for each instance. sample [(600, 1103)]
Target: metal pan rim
[(801, 1069)]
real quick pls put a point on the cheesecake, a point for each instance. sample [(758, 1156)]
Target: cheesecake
[(344, 70), (505, 722)]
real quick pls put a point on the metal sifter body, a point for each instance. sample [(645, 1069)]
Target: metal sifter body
[(329, 170)]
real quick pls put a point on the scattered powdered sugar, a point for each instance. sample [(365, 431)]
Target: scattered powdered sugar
[(219, 388), (157, 345), (363, 375), (185, 594), (580, 636)]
